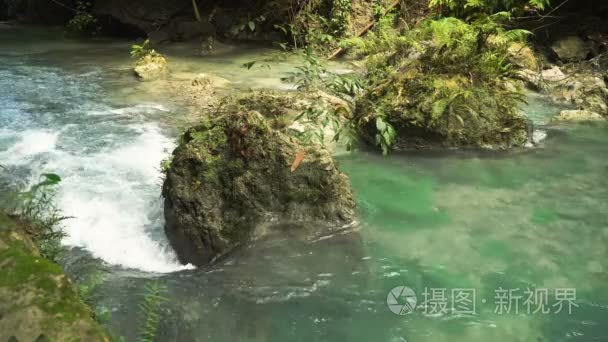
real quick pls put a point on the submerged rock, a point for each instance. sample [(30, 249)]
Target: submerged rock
[(38, 301), (151, 67), (577, 115), (231, 174)]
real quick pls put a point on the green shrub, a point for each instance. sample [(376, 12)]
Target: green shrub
[(83, 23), (340, 16), (43, 220), (150, 306), (140, 51), (475, 8), (443, 82)]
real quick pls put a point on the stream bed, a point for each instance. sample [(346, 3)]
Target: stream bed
[(441, 223)]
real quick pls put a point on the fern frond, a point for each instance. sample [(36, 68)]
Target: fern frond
[(517, 35)]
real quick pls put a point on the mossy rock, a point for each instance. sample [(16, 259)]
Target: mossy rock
[(38, 300), (423, 119), (523, 56), (232, 174), (439, 87)]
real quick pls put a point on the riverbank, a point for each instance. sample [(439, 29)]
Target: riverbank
[(39, 301)]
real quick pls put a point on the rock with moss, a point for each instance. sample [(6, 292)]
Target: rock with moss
[(523, 56), (38, 301), (151, 67), (233, 175), (439, 87)]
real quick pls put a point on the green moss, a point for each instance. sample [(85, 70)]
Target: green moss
[(40, 283), (25, 266), (31, 273)]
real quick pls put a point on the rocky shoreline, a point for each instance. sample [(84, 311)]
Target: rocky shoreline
[(39, 301)]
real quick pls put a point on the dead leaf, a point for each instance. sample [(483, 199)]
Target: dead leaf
[(299, 157)]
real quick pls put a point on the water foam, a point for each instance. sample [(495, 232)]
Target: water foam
[(113, 195), (114, 198), (139, 109), (30, 144)]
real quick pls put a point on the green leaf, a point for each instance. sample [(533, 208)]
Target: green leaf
[(50, 179), (460, 120), (380, 124), (439, 108), (387, 138), (251, 25)]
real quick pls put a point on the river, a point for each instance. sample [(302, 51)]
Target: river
[(444, 224)]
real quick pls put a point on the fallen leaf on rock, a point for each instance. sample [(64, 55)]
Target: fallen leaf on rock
[(299, 157)]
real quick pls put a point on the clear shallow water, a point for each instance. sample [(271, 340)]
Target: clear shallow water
[(535, 218)]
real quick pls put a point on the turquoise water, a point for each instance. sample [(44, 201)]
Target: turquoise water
[(483, 221)]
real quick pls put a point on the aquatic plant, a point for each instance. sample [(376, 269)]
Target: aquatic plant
[(153, 298), (87, 289)]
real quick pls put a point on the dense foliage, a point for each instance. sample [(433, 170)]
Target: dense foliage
[(35, 207), (444, 82), (465, 8), (83, 22)]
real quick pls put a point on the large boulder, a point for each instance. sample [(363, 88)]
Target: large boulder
[(38, 301), (523, 57), (571, 49), (231, 174), (151, 67)]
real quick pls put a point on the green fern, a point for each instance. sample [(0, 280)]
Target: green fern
[(472, 8), (440, 77), (140, 51), (36, 206), (152, 300)]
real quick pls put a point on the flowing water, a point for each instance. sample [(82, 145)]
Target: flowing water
[(441, 223)]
